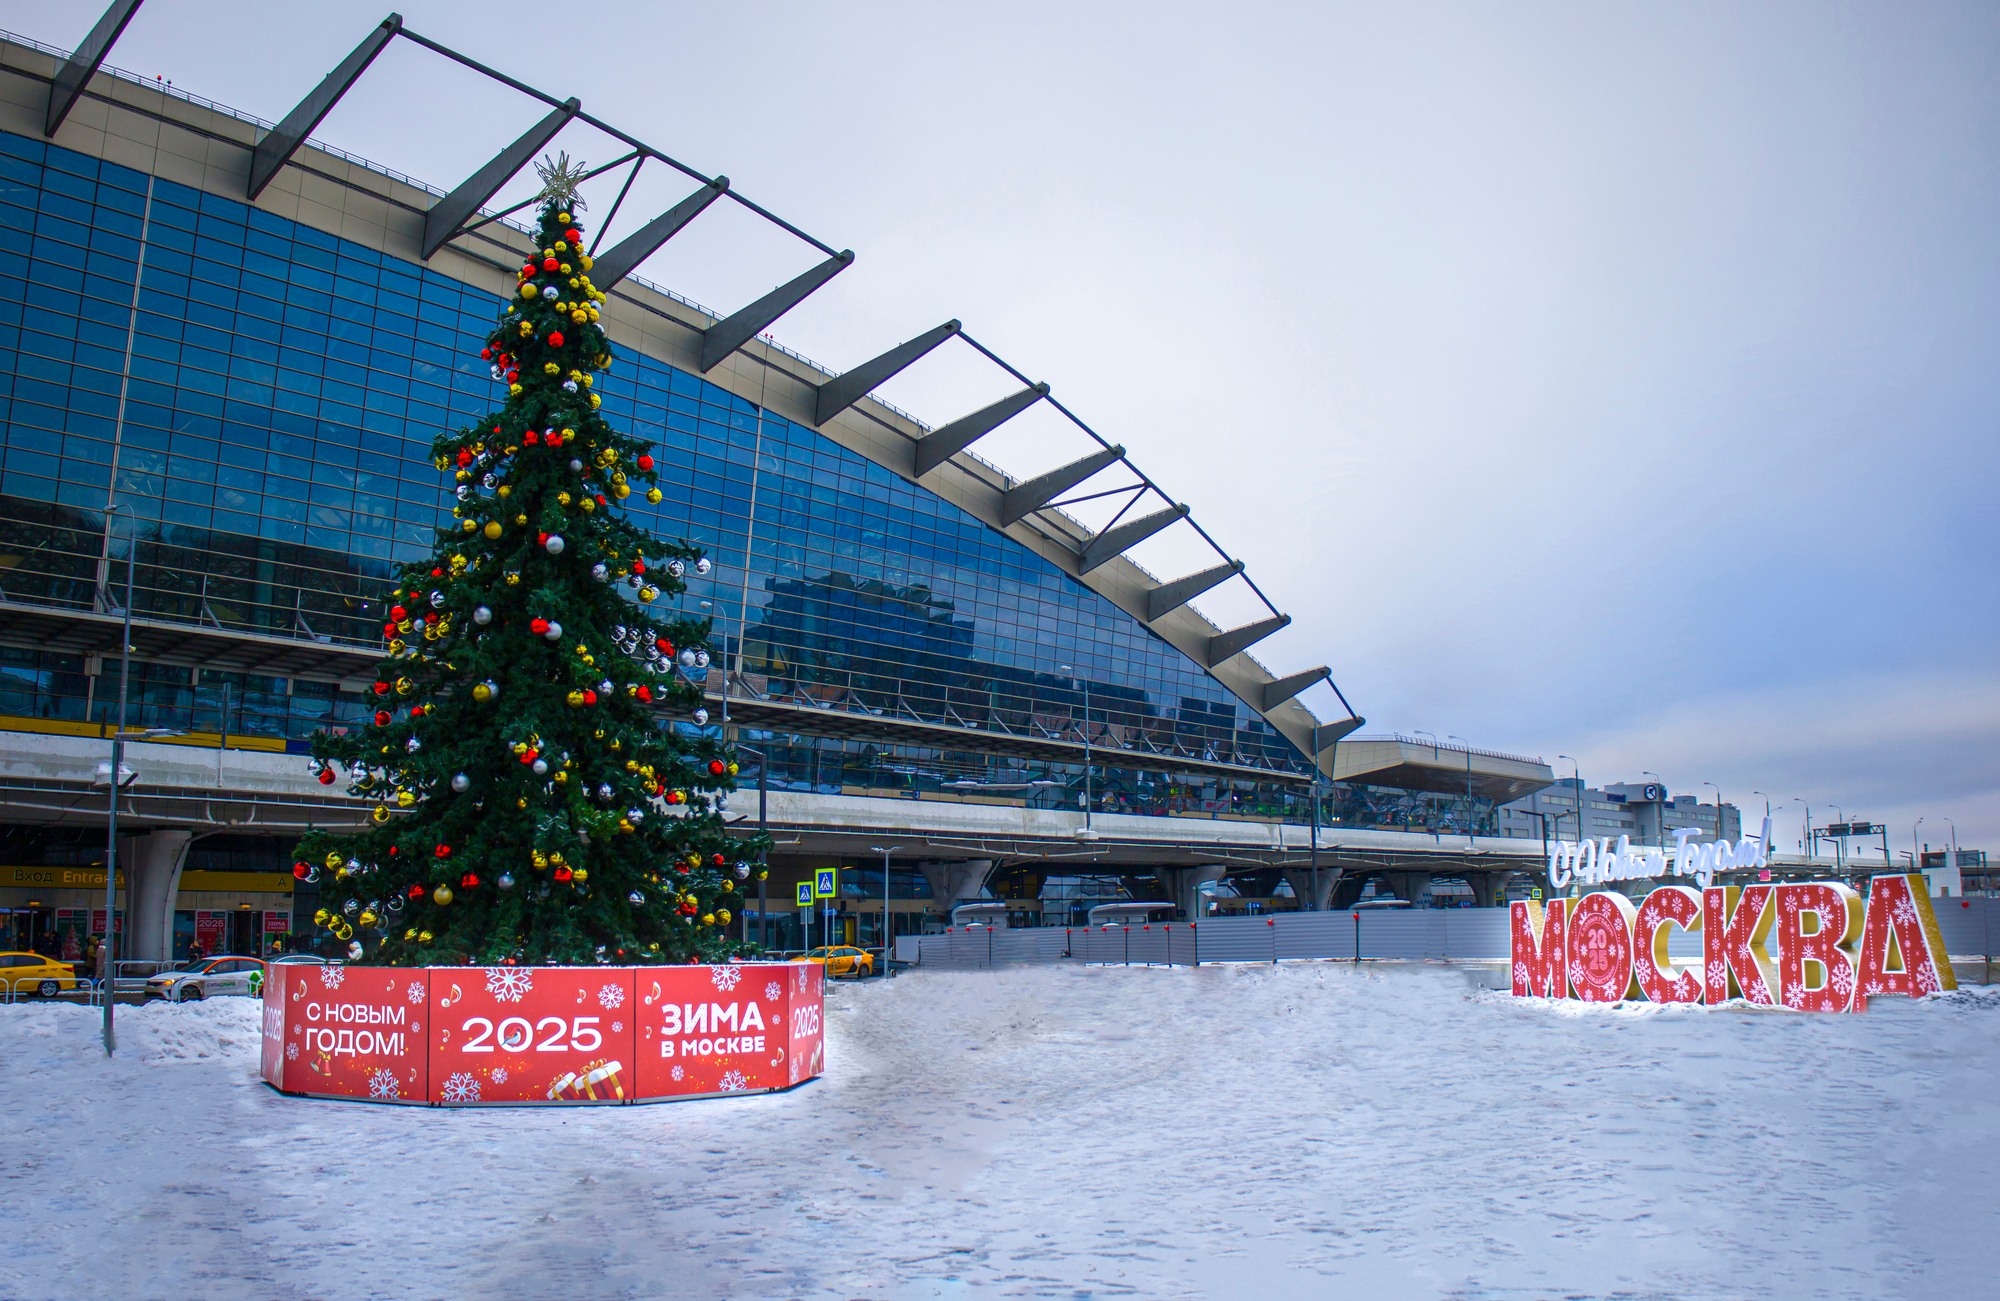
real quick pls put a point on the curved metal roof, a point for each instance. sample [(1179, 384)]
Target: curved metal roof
[(732, 350)]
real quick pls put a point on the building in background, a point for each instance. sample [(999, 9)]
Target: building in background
[(1646, 812)]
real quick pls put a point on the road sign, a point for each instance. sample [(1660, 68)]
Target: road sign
[(826, 882), (805, 894)]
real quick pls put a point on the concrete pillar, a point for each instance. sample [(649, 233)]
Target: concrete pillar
[(1301, 881), (1183, 885), (152, 863), (1407, 885), (1486, 887), (954, 882)]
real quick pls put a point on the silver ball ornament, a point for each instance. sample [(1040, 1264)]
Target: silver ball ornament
[(505, 881), (703, 565), (540, 767), (482, 615), (554, 546), (461, 783)]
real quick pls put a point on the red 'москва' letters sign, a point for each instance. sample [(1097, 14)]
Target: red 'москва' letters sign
[(1813, 946)]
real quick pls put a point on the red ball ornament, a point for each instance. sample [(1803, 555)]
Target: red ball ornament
[(541, 539), (550, 264), (645, 694), (486, 354), (531, 438), (416, 891), (645, 462), (431, 617), (381, 688), (563, 873), (469, 880), (437, 573), (464, 457), (444, 851), (538, 626), (398, 612), (416, 711), (530, 754), (555, 338), (326, 776), (660, 644), (388, 630), (638, 564), (301, 870), (381, 718), (715, 767), (589, 697), (600, 499), (720, 861), (573, 235)]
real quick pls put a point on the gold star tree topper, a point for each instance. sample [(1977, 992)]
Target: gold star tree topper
[(560, 179)]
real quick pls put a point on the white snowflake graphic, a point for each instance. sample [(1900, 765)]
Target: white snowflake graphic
[(617, 1027), (499, 1074), (1718, 975), (1927, 980), (508, 984), (610, 996), (330, 976), (725, 978), (678, 1073), (1795, 997), (1904, 912), (772, 990), (1843, 982), (384, 1084), (803, 968), (416, 991), (291, 1052), (732, 1081), (1576, 975), (461, 1087)]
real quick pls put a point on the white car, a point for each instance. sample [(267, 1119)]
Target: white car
[(211, 976)]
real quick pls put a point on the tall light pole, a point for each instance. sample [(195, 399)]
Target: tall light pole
[(1810, 845), (1468, 787), (885, 900), (1718, 807), (1916, 860), (117, 780), (1576, 776), (1085, 832), (1767, 802)]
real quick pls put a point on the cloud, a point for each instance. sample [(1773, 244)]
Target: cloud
[(1887, 748)]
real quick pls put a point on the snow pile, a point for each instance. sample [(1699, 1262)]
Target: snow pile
[(1304, 1130)]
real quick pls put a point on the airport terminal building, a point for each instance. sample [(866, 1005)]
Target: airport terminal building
[(932, 667)]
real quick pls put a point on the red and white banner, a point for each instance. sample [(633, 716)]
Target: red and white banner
[(1812, 946), (347, 1032), (728, 1029), (470, 1036)]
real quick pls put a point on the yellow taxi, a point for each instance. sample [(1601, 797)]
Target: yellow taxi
[(31, 973), (842, 960)]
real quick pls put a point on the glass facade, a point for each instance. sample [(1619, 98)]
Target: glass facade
[(263, 395)]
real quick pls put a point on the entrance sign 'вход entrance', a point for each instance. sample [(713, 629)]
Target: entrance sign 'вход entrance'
[(1808, 945)]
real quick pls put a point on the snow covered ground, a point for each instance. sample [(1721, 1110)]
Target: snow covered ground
[(1307, 1130)]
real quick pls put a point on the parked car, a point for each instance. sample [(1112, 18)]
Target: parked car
[(300, 960), (842, 960), (26, 973), (223, 975)]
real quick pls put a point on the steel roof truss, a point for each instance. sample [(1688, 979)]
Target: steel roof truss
[(940, 445), (283, 140), (1278, 691), (611, 267), (1225, 645), (1117, 540), (76, 71), (849, 387), (1024, 499), (732, 332), (1168, 597), (451, 212)]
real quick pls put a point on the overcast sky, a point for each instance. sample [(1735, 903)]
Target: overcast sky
[(1605, 380)]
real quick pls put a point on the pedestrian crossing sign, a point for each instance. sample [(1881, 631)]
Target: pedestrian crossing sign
[(825, 884), (805, 894)]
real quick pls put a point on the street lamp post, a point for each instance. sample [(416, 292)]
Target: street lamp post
[(1718, 807), (1576, 775), (885, 852), (110, 949), (1810, 845), (1916, 861), (1468, 787), (1086, 832)]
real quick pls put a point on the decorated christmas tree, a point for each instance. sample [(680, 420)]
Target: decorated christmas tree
[(545, 786)]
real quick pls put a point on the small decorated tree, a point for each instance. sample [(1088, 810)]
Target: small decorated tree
[(545, 785)]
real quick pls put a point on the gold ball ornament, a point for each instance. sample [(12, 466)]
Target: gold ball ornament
[(492, 530), (368, 917), (405, 799), (333, 860), (423, 937), (441, 895), (722, 915), (579, 876), (381, 813), (653, 495)]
